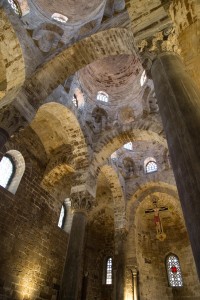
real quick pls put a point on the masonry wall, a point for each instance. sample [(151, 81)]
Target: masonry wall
[(151, 254), (33, 248)]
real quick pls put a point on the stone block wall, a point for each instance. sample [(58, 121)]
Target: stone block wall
[(33, 248)]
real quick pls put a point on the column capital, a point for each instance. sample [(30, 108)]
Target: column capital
[(134, 271), (165, 41), (81, 201)]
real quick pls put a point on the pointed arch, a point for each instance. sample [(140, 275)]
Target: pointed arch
[(110, 143), (113, 41), (56, 126), (118, 195), (12, 64)]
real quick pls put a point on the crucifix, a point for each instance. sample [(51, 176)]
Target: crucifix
[(160, 235)]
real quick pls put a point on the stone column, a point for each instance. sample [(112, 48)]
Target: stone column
[(179, 105), (72, 276), (135, 283), (120, 238)]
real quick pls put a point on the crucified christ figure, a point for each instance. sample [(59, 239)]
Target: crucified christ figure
[(157, 220)]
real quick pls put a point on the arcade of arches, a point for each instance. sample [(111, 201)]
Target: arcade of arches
[(99, 150)]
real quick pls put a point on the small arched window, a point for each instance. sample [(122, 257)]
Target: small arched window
[(174, 271), (62, 217), (59, 18), (109, 271), (143, 78), (75, 100), (128, 146), (7, 170), (15, 6), (12, 167), (150, 165), (102, 96)]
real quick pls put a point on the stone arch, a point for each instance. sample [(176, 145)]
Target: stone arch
[(19, 165), (56, 126), (12, 64), (114, 41), (118, 195), (138, 196), (149, 188), (147, 251), (110, 143)]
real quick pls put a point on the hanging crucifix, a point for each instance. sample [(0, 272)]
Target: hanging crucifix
[(160, 235)]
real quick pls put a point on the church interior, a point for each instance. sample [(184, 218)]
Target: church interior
[(99, 149)]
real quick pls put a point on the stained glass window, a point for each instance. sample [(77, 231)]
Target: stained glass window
[(59, 18), (6, 171), (102, 96), (15, 6), (109, 271), (174, 271), (128, 146), (62, 217), (151, 167)]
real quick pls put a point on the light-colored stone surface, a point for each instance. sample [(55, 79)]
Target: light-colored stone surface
[(72, 145)]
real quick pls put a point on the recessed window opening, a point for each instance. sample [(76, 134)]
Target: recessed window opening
[(128, 146), (75, 100), (62, 217), (102, 96), (15, 6), (6, 171), (174, 271), (150, 165), (143, 78), (12, 167), (59, 18), (109, 271)]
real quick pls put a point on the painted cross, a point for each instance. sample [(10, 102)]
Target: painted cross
[(160, 235)]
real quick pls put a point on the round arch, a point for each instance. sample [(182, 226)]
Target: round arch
[(19, 165)]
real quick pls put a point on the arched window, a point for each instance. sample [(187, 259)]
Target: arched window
[(102, 96), (128, 146), (150, 165), (109, 271), (7, 170), (59, 18), (62, 217), (75, 100), (15, 6), (174, 271), (12, 167), (143, 78)]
